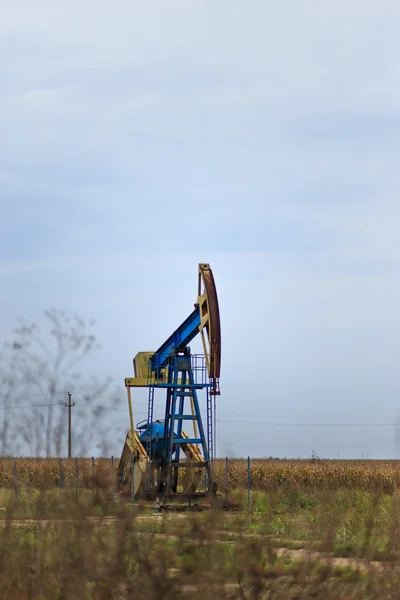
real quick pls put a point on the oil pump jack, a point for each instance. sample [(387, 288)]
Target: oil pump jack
[(172, 458)]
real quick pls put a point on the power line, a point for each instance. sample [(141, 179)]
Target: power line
[(31, 405), (112, 398), (29, 396), (308, 424), (311, 417), (328, 418), (241, 422), (291, 424)]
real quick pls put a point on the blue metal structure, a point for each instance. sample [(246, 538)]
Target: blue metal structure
[(176, 343), (164, 441)]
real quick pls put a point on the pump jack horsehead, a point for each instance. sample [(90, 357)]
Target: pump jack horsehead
[(165, 460)]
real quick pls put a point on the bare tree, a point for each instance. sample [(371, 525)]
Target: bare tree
[(45, 366)]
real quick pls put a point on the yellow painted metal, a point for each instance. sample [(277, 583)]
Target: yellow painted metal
[(188, 480), (142, 376), (195, 429), (128, 389), (141, 382), (202, 301), (192, 475), (133, 447), (210, 326), (204, 324), (136, 382), (141, 364)]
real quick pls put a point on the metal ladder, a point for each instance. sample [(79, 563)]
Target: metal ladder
[(150, 411), (210, 436)]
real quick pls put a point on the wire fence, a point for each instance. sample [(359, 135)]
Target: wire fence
[(82, 475), (97, 477)]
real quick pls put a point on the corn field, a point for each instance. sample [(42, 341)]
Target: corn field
[(265, 474)]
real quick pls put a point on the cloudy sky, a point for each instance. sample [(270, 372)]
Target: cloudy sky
[(138, 139)]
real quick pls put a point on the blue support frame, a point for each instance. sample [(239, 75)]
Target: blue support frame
[(181, 387), (184, 378)]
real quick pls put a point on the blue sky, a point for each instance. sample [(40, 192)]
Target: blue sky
[(138, 140)]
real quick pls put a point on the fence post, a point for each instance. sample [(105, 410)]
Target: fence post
[(93, 478), (15, 480), (112, 470), (76, 479), (248, 482), (60, 476), (226, 478), (133, 481)]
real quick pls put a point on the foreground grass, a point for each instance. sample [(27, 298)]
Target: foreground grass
[(65, 555), (346, 523), (186, 556)]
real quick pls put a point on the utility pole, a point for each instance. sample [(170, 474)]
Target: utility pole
[(69, 406)]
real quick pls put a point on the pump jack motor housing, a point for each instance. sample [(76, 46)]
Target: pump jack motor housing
[(172, 458)]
